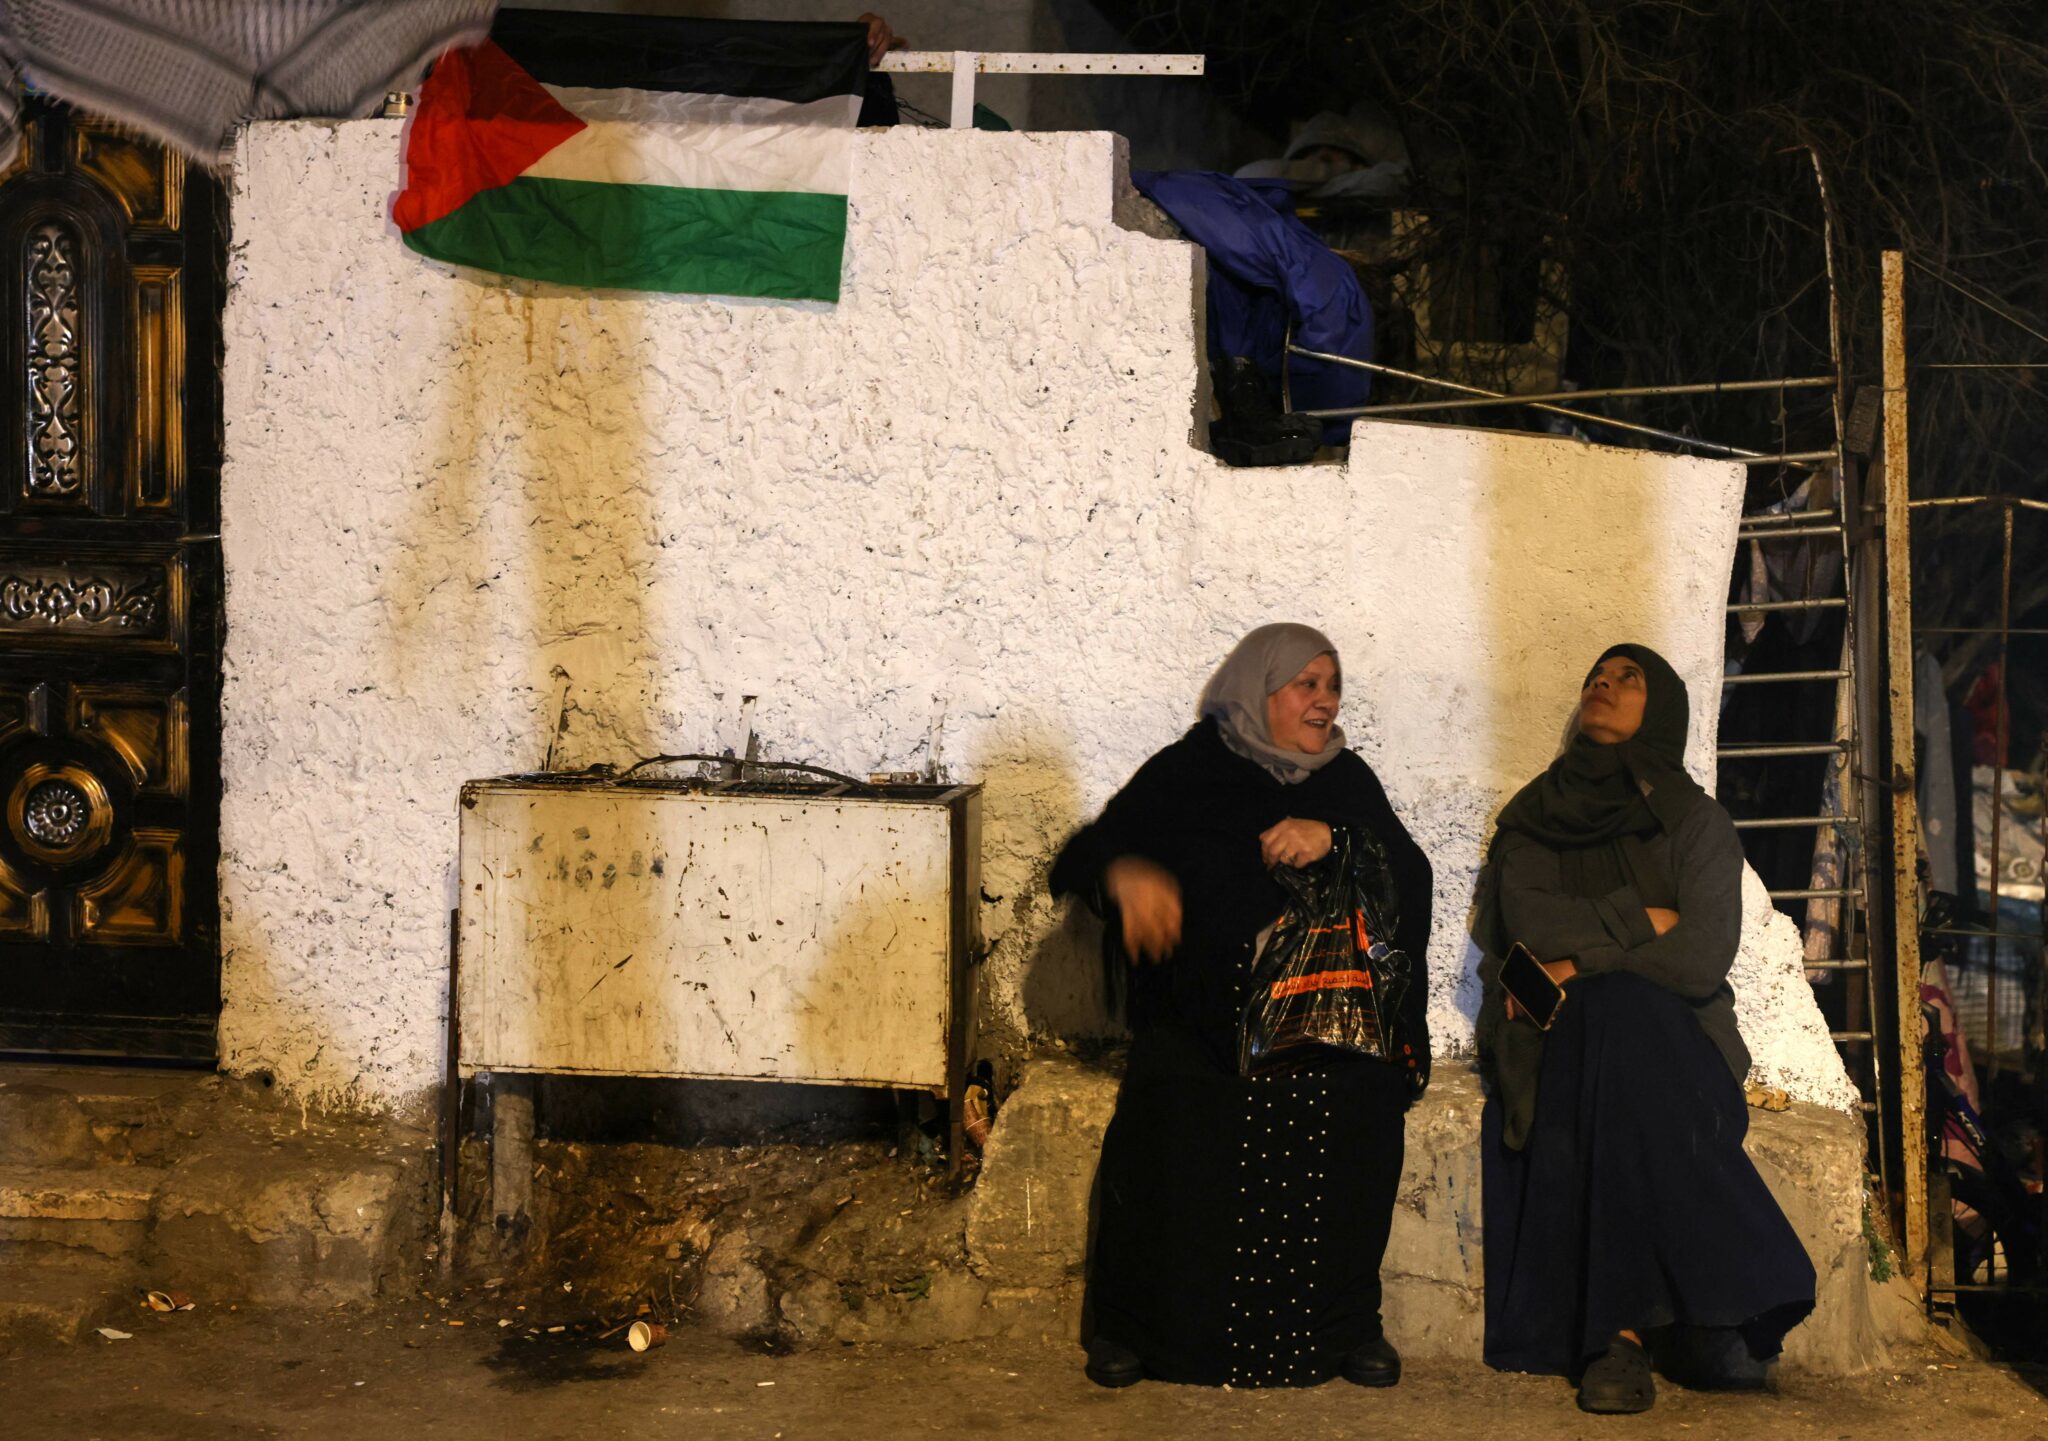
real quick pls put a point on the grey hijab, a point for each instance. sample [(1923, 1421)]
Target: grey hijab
[(1235, 697)]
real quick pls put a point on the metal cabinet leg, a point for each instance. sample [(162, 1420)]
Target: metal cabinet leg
[(512, 1158)]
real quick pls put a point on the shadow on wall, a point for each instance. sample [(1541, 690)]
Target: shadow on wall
[(517, 579), (1043, 974), (538, 487), (1533, 587)]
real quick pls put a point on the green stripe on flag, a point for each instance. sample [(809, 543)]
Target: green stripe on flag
[(787, 245)]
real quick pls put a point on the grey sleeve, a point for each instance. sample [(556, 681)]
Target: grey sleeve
[(1693, 957), (1536, 911)]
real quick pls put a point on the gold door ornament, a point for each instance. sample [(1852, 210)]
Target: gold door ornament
[(56, 382), (61, 815)]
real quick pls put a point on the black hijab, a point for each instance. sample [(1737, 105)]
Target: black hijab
[(1597, 797)]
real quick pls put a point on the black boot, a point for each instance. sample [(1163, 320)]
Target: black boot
[(1376, 1363), (1112, 1365), (1253, 431), (1619, 1383)]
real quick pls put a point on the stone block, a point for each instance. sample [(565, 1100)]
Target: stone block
[(1037, 1313), (1028, 1227), (286, 1226), (1028, 1224), (1433, 1304), (68, 1193), (44, 1126), (733, 1294)]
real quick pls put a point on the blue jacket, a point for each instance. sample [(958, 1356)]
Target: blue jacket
[(1267, 269)]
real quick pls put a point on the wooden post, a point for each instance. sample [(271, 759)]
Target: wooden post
[(1898, 566), (511, 1159)]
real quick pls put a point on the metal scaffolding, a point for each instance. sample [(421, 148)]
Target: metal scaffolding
[(1929, 1209), (1873, 910), (1838, 832)]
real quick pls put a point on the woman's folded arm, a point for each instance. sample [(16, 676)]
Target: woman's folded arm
[(1693, 957), (1539, 914)]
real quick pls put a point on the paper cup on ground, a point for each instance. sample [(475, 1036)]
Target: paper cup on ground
[(646, 1335)]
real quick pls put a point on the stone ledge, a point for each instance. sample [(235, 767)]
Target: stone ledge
[(68, 1193), (1028, 1223), (246, 1198)]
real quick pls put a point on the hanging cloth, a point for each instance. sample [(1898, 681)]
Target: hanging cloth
[(188, 73)]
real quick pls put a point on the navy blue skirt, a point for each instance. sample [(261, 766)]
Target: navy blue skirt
[(1633, 1205)]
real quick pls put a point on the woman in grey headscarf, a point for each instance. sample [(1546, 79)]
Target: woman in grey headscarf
[(1241, 1221)]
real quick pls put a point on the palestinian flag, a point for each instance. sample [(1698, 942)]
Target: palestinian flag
[(640, 154)]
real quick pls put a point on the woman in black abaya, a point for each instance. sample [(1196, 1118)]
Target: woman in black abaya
[(1241, 1221), (1619, 1206)]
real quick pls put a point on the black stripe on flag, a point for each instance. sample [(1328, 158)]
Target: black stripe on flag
[(770, 59)]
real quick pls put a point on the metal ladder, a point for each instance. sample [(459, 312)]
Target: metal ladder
[(1842, 828)]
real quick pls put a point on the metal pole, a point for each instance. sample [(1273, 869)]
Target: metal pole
[(1862, 504), (1999, 724), (1442, 384), (2019, 500), (1898, 565), (1710, 387)]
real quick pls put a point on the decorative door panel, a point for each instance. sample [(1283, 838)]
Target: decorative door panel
[(110, 263)]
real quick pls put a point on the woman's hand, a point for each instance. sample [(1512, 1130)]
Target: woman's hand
[(1294, 843), (1661, 918), (881, 39), (1148, 898)]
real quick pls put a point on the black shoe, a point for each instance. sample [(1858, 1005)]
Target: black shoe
[(1112, 1365), (1709, 1358), (1376, 1363), (1619, 1383), (1253, 430)]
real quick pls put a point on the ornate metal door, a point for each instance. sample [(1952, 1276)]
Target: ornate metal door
[(110, 258)]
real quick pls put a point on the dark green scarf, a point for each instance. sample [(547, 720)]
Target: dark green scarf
[(1596, 797)]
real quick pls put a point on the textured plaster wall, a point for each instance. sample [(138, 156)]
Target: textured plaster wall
[(954, 522)]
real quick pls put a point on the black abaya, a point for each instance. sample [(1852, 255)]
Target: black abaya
[(1241, 1223)]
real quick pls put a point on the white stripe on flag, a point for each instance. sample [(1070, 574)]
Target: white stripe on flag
[(682, 107), (705, 142)]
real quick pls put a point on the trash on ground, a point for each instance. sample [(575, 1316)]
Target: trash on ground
[(112, 1335)]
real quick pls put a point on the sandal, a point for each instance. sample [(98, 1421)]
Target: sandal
[(1618, 1383)]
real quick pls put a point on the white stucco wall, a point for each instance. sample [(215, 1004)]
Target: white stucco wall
[(954, 521)]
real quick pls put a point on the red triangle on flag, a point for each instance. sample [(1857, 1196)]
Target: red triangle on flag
[(481, 122)]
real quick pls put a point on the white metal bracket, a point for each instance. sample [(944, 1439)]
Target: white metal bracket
[(964, 65)]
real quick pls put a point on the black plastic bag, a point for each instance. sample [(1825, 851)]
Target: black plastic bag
[(1329, 978)]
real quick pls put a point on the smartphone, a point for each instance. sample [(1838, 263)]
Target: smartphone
[(1524, 978)]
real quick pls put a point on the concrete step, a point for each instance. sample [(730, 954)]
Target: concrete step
[(102, 1210), (41, 1303), (89, 1115), (42, 1125)]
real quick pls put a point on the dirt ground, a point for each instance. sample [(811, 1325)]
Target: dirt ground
[(405, 1374)]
